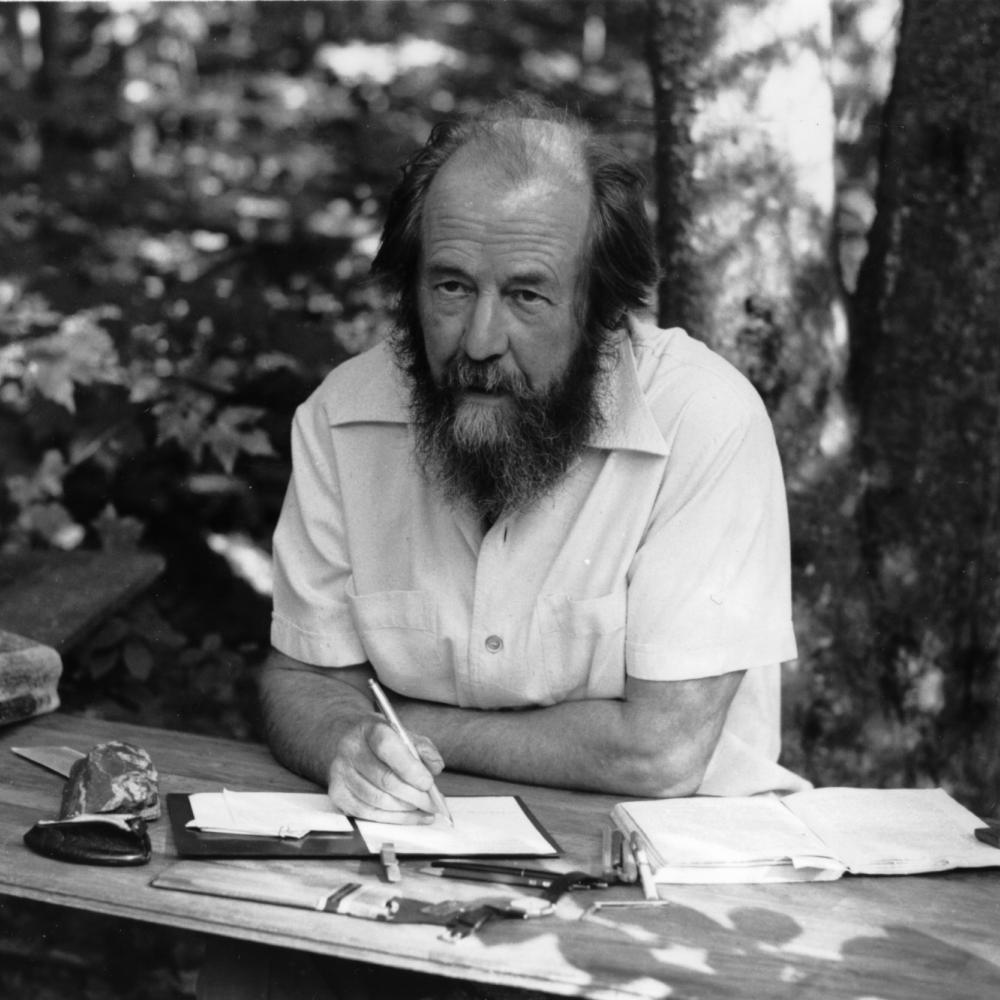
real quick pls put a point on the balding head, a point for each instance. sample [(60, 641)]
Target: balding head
[(529, 142), (527, 149)]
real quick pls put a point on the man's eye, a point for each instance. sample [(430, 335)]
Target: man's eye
[(528, 297), (451, 288)]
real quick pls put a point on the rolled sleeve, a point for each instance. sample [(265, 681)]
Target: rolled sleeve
[(311, 619)]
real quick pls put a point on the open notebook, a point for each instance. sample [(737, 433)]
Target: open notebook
[(810, 836), (294, 824)]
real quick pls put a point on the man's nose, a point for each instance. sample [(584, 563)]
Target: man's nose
[(485, 332)]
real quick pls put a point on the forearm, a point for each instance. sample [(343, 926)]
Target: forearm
[(657, 741), (306, 713), (570, 745)]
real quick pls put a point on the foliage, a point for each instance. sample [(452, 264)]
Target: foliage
[(188, 208)]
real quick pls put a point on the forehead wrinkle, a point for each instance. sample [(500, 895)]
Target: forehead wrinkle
[(533, 257), (520, 228)]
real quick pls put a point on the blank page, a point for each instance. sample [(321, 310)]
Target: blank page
[(894, 831)]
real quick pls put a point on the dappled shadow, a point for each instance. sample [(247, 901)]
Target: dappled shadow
[(764, 953)]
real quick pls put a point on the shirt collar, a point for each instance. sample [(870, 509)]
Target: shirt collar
[(371, 389), (379, 394), (628, 423)]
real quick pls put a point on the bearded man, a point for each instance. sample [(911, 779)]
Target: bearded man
[(556, 534)]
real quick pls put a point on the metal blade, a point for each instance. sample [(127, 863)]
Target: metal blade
[(58, 759)]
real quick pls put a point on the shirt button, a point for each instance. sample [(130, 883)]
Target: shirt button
[(494, 643)]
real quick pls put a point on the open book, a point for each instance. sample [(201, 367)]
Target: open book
[(810, 836)]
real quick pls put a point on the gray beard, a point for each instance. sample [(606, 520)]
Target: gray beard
[(503, 459)]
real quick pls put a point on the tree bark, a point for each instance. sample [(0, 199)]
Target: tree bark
[(744, 167), (926, 377)]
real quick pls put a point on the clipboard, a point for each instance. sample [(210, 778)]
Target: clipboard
[(192, 843)]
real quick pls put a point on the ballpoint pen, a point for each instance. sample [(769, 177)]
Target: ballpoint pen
[(465, 864), (390, 714)]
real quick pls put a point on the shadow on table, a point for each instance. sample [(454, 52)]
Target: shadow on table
[(702, 958), (697, 958)]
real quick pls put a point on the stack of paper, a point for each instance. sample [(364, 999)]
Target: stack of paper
[(266, 814)]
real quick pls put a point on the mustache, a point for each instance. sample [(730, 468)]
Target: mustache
[(464, 374)]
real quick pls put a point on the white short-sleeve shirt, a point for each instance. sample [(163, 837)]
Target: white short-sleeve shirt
[(663, 554)]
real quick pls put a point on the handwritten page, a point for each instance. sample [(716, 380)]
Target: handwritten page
[(266, 814), (484, 824)]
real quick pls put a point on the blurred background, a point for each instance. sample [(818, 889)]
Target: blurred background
[(190, 198)]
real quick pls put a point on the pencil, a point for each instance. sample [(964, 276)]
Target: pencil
[(390, 714), (542, 881), (627, 871), (642, 863), (462, 864)]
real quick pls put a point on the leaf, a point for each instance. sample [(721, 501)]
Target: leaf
[(229, 436), (22, 314), (111, 634), (144, 385), (154, 628), (54, 523), (272, 361), (100, 662), (138, 659), (82, 352), (212, 642), (44, 483), (223, 372), (117, 534), (184, 420)]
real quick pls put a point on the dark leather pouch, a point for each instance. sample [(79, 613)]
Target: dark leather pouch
[(92, 840)]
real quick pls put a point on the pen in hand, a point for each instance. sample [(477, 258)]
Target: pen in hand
[(390, 714)]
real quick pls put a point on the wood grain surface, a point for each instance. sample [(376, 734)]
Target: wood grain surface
[(930, 937)]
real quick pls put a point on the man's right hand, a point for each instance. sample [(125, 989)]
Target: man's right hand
[(320, 723), (374, 776)]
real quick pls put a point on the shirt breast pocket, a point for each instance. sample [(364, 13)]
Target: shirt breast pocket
[(398, 630), (583, 645)]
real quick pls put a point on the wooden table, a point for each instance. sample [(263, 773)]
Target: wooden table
[(902, 938)]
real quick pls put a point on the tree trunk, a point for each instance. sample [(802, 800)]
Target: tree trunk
[(744, 166), (49, 71), (926, 376)]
